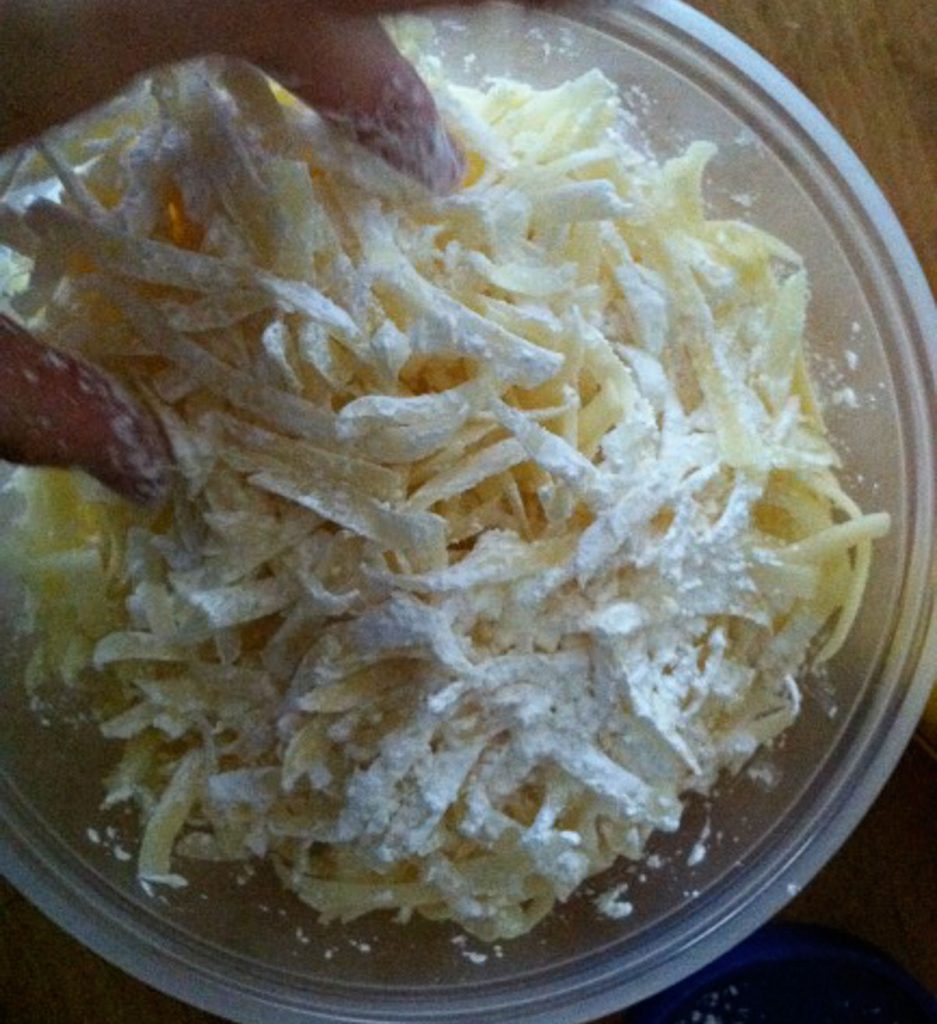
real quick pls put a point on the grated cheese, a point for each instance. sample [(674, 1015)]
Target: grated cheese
[(504, 520)]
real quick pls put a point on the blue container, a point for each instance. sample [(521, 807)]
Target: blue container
[(794, 974)]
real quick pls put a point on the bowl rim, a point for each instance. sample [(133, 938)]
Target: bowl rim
[(46, 874)]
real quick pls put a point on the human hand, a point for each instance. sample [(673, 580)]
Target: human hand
[(61, 58)]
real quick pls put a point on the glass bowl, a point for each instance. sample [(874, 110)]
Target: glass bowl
[(238, 946)]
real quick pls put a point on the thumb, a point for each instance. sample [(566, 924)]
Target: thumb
[(59, 59), (349, 70)]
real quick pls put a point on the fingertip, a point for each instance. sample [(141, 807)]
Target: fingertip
[(421, 149), (457, 170), (58, 410), (134, 457), (149, 492), (136, 461), (355, 77)]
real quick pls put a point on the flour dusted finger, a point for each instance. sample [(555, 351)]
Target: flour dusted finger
[(57, 410)]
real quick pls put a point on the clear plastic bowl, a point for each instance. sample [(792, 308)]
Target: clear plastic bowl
[(233, 949)]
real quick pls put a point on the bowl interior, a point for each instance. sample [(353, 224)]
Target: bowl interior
[(236, 923)]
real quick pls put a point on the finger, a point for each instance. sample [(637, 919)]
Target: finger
[(349, 70), (56, 410), (63, 58), (376, 7)]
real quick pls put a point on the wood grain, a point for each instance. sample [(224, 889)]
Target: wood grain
[(871, 66)]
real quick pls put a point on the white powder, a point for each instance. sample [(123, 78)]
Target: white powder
[(612, 903), (765, 774), (845, 397), (700, 849), (547, 642), (697, 855)]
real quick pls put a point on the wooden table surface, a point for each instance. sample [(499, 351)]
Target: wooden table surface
[(871, 66)]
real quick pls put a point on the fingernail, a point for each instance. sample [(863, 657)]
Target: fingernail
[(136, 461), (405, 129), (424, 151)]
